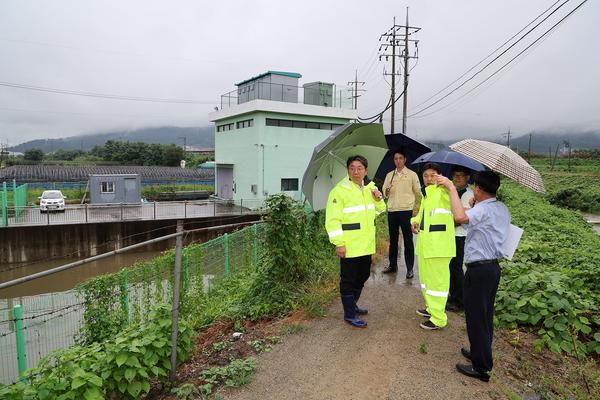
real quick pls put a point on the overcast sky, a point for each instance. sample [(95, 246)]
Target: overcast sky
[(197, 50)]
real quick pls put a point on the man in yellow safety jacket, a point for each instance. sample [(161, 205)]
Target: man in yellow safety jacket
[(435, 248), (350, 223)]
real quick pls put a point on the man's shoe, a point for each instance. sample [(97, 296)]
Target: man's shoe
[(390, 270), (410, 274), (349, 305), (469, 371), (423, 313), (453, 307), (429, 326), (356, 322), (466, 353)]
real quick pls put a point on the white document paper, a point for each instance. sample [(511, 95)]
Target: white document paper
[(512, 241)]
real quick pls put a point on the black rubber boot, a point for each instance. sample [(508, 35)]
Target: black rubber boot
[(357, 309), (350, 313)]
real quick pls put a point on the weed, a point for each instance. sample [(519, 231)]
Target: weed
[(237, 373), (423, 348), (259, 346), (220, 346), (185, 391), (290, 329)]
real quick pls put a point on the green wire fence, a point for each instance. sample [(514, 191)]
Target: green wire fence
[(18, 203), (34, 326)]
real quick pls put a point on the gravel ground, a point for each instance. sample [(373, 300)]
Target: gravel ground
[(392, 359)]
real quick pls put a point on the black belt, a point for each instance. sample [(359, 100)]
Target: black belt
[(481, 262)]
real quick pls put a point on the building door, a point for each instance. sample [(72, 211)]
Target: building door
[(131, 191), (225, 181)]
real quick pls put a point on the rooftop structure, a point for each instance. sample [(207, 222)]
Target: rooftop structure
[(266, 130)]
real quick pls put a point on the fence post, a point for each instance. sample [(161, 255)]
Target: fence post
[(186, 271), (18, 313), (126, 296), (241, 206), (214, 207), (185, 209), (86, 213), (47, 215), (121, 211), (255, 246), (4, 205), (226, 251), (175, 312), (154, 209)]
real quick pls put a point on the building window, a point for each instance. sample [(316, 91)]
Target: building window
[(248, 123), (301, 124), (225, 127), (289, 184), (107, 187)]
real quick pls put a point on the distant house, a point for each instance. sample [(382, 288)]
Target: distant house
[(115, 188), (266, 131)]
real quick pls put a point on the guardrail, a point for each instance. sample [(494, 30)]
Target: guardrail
[(94, 213)]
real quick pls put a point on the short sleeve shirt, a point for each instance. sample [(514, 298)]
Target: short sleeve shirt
[(488, 227)]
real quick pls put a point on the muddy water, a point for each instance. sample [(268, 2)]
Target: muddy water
[(594, 220), (64, 280)]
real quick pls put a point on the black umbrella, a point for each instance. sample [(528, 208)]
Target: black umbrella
[(410, 147)]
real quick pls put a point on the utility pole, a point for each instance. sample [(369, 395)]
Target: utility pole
[(568, 145), (398, 36), (529, 149), (184, 144), (507, 134), (354, 89)]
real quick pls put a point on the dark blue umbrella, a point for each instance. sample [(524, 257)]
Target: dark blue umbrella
[(447, 159), (410, 147)]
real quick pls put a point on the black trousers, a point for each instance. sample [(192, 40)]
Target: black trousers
[(400, 220), (481, 284), (354, 272), (457, 276)]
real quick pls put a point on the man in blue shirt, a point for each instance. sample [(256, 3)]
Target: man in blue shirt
[(488, 224)]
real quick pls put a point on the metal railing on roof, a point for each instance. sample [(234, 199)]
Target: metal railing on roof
[(326, 95)]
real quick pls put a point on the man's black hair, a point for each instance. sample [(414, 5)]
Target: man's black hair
[(488, 181), (399, 151), (462, 169), (358, 158), (431, 165)]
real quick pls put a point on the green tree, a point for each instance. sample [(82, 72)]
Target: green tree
[(33, 155)]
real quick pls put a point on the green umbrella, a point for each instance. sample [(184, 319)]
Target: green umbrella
[(328, 163)]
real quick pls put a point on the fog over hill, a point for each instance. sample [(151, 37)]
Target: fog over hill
[(541, 142), (195, 136)]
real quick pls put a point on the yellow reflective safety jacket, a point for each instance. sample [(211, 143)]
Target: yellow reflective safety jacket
[(436, 224), (350, 217)]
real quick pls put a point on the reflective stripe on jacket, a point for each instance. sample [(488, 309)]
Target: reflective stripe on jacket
[(350, 217), (436, 224)]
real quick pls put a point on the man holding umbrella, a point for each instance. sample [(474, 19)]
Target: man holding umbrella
[(350, 223)]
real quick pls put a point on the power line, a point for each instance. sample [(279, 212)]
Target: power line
[(104, 95), (540, 38), (489, 63)]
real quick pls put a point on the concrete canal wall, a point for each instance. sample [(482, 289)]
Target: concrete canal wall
[(36, 243)]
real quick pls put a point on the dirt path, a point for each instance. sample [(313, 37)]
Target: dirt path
[(330, 360)]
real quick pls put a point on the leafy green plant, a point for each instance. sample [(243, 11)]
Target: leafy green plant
[(239, 372), (187, 391), (220, 346), (551, 283), (121, 367)]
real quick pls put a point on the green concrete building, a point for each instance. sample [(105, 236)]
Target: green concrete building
[(265, 133)]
